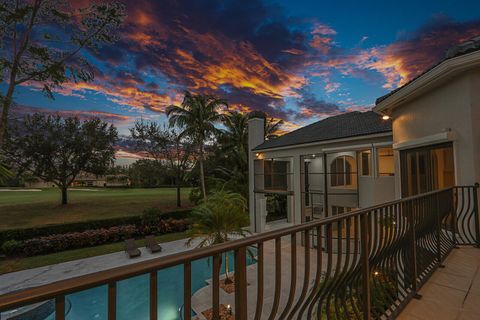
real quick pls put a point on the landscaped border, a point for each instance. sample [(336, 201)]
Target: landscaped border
[(35, 232)]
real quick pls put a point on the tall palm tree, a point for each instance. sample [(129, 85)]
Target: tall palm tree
[(234, 139), (5, 173), (221, 218), (271, 125), (232, 154), (197, 116)]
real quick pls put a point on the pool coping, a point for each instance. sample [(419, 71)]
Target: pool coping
[(30, 278)]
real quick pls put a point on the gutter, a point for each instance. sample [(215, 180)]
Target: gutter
[(428, 80)]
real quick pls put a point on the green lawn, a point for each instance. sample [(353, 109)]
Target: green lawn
[(12, 265), (29, 208)]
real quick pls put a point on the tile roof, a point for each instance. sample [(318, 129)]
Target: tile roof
[(351, 124), (456, 51)]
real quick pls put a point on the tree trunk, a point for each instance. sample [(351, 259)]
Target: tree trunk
[(5, 109), (202, 175), (179, 201), (64, 195)]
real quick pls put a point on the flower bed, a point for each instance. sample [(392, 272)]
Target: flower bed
[(89, 238)]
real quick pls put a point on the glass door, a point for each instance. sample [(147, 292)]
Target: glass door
[(426, 169)]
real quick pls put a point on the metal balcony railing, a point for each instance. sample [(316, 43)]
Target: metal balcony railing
[(365, 264)]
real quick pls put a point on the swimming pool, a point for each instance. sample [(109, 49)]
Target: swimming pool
[(133, 294)]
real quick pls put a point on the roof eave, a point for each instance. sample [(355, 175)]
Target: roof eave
[(324, 142), (427, 81)]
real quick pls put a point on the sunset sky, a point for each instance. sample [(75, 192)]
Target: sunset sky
[(297, 60)]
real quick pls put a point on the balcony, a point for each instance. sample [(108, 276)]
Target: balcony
[(365, 264)]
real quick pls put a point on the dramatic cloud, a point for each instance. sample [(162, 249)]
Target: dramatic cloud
[(255, 55), (407, 57), (312, 107), (20, 111)]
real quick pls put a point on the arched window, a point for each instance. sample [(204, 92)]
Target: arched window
[(341, 171)]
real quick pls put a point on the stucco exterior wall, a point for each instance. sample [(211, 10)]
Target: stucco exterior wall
[(451, 109), (343, 147)]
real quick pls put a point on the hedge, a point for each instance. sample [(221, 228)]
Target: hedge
[(36, 232), (88, 238)]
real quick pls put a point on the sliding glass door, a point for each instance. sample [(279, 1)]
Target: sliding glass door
[(427, 168)]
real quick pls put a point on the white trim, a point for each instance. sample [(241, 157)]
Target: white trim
[(359, 147), (428, 81), (425, 141), (319, 143)]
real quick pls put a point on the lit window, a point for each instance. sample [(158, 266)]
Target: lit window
[(385, 162), (365, 162), (341, 171)]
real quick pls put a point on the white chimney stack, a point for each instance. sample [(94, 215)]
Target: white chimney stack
[(256, 136)]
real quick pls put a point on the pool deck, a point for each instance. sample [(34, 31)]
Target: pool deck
[(20, 280)]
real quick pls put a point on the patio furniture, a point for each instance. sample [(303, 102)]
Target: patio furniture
[(131, 248), (152, 244)]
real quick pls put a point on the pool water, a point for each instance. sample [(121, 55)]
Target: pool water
[(133, 294)]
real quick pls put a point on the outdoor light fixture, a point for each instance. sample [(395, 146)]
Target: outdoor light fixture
[(313, 155), (257, 155), (229, 309), (376, 273), (386, 117)]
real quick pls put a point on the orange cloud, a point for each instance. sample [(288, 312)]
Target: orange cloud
[(236, 64), (22, 110)]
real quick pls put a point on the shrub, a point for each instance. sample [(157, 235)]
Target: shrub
[(75, 240), (12, 247), (151, 216), (29, 233), (89, 238)]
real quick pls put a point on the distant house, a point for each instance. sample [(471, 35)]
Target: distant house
[(85, 179)]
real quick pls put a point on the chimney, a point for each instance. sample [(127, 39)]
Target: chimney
[(256, 136)]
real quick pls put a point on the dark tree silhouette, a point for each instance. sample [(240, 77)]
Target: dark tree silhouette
[(41, 42), (57, 149), (166, 146)]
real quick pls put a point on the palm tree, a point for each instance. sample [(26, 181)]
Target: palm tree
[(197, 116), (5, 173), (219, 219), (235, 136), (232, 155), (271, 125)]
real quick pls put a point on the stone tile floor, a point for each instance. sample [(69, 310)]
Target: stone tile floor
[(452, 293)]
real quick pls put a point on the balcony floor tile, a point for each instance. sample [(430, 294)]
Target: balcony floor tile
[(453, 292)]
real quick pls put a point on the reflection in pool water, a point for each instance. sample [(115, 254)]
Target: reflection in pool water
[(133, 294)]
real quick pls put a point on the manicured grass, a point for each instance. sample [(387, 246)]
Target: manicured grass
[(12, 265), (29, 208)]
